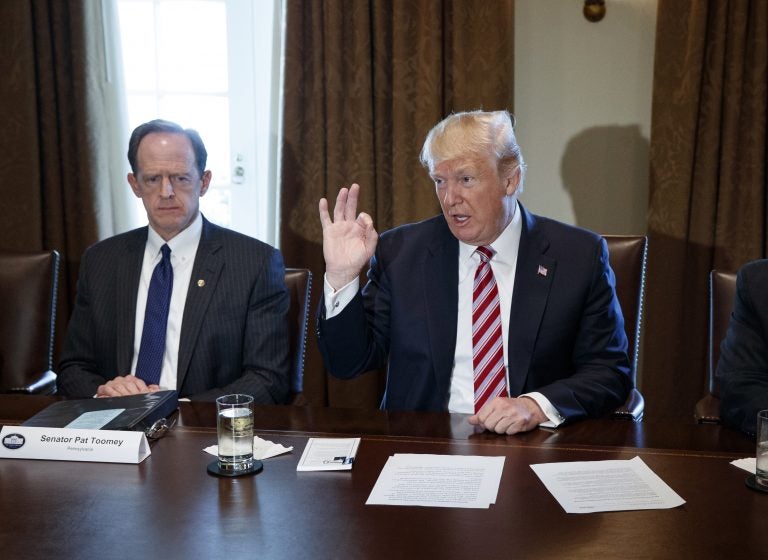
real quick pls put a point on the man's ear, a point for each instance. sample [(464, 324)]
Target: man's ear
[(134, 182), (513, 181), (206, 181)]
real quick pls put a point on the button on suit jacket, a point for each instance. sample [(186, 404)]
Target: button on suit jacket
[(566, 335), (234, 331)]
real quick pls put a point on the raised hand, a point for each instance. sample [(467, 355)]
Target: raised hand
[(349, 240)]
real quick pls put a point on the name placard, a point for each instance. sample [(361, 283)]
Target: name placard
[(70, 444)]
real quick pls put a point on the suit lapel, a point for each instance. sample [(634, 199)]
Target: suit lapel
[(533, 280), (440, 288), (206, 272), (129, 272)]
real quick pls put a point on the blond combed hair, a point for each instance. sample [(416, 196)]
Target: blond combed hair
[(475, 133)]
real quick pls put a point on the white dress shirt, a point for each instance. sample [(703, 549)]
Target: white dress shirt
[(183, 250)]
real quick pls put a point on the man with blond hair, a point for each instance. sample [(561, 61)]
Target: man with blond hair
[(485, 309)]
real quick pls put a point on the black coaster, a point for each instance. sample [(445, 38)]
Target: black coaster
[(752, 483), (213, 468)]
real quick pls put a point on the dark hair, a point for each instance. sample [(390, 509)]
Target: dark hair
[(159, 125)]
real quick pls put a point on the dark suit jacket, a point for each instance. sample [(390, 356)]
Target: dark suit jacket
[(566, 336), (743, 366), (234, 333)]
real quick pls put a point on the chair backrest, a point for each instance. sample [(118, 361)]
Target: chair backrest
[(299, 282), (722, 292), (627, 255), (28, 293)]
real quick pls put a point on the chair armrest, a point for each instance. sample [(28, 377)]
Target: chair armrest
[(707, 410), (46, 385), (632, 409)]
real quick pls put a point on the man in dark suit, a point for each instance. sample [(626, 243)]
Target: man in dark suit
[(226, 328), (561, 349), (743, 366)]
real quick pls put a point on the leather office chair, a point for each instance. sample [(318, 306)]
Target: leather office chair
[(722, 292), (28, 292), (627, 255), (299, 282)]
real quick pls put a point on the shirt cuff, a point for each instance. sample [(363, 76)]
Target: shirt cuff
[(337, 300), (555, 419)]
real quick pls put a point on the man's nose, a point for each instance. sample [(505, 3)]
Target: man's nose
[(452, 194), (166, 189)]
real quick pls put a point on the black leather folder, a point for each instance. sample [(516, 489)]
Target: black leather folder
[(141, 411)]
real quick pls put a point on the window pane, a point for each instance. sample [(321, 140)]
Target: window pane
[(210, 65), (209, 115), (137, 38), (141, 108), (192, 43), (215, 206)]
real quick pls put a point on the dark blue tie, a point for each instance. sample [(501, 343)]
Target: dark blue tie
[(150, 361)]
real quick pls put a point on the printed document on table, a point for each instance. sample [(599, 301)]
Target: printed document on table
[(328, 454), (592, 486), (462, 481)]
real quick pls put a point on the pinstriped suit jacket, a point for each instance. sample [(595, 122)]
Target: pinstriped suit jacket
[(234, 333)]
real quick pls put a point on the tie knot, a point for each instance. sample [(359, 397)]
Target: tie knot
[(486, 253), (166, 251)]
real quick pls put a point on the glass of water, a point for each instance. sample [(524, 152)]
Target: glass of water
[(761, 472), (234, 421)]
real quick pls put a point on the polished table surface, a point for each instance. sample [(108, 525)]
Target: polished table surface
[(169, 507)]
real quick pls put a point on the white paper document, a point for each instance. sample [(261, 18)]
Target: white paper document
[(328, 454), (592, 486), (95, 420), (462, 481)]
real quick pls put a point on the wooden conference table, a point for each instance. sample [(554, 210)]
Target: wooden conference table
[(169, 507)]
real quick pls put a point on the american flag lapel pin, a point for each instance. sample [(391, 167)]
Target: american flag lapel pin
[(542, 271)]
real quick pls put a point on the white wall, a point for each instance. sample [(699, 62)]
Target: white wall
[(583, 109)]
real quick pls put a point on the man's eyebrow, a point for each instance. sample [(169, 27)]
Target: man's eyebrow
[(466, 170)]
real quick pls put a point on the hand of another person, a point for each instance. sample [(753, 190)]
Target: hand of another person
[(349, 240), (505, 415), (125, 385)]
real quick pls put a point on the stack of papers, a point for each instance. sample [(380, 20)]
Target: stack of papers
[(438, 481)]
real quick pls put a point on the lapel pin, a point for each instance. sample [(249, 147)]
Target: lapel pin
[(200, 283), (542, 271)]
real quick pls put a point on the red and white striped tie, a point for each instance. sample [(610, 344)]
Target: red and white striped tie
[(487, 342)]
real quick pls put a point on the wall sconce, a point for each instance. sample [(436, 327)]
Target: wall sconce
[(594, 10)]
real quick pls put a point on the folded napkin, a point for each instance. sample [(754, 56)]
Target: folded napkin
[(262, 449), (748, 464)]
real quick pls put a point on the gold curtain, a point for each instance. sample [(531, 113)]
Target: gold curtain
[(53, 164), (708, 182), (364, 82)]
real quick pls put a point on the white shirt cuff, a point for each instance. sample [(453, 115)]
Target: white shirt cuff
[(548, 408), (337, 300)]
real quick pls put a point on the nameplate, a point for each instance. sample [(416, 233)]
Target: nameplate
[(69, 444)]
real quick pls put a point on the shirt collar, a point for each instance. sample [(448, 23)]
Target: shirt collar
[(506, 244), (183, 244)]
